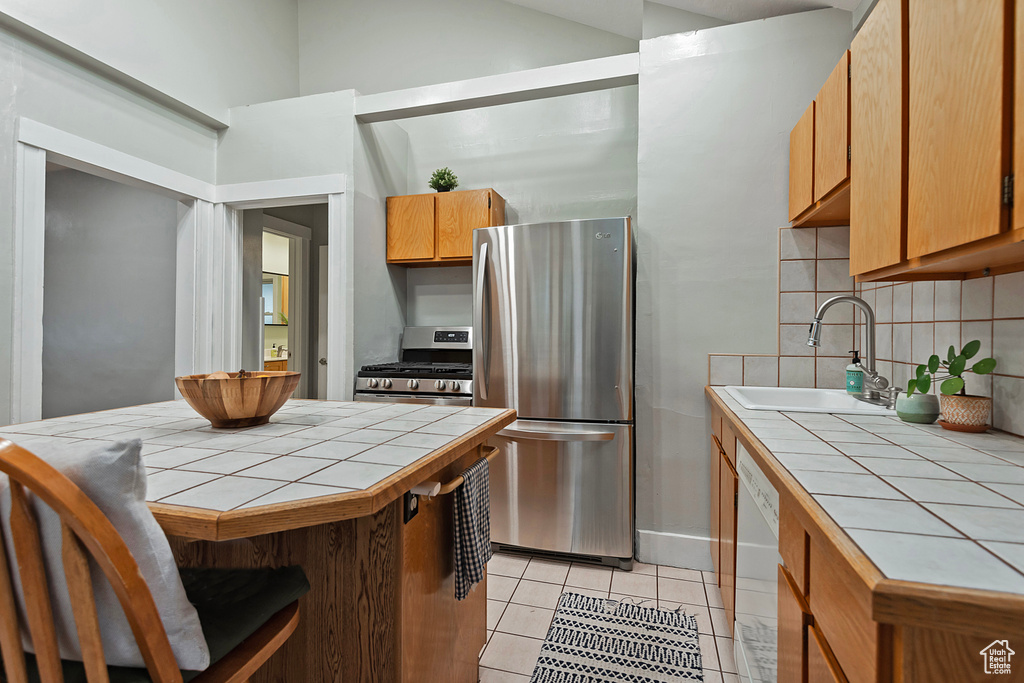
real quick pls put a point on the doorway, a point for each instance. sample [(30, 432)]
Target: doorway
[(109, 294)]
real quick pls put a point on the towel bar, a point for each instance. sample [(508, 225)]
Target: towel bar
[(434, 488)]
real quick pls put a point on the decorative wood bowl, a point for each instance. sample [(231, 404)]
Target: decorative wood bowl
[(229, 401)]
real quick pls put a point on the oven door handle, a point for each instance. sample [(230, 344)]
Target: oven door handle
[(514, 432), (485, 336)]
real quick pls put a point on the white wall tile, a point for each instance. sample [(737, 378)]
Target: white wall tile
[(901, 349), (884, 369), (946, 335), (797, 243), (883, 341), (840, 313), (726, 370), (1008, 346), (831, 373), (796, 276), (834, 276), (1007, 399), (923, 302), (947, 300), (901, 301), (1009, 295), (834, 243), (796, 307), (761, 371), (836, 340), (883, 304), (922, 343), (796, 372), (793, 341), (977, 299), (980, 330)]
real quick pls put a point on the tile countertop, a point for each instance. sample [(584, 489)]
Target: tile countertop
[(309, 448), (923, 503)]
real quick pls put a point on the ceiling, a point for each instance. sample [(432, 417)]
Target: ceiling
[(625, 17)]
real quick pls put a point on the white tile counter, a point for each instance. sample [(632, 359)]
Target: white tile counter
[(923, 503), (309, 448)]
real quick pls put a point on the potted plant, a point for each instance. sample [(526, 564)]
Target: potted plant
[(443, 180), (960, 410)]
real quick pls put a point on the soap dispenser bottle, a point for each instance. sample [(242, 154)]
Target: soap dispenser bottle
[(854, 375)]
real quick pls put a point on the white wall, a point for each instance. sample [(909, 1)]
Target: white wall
[(662, 20), (381, 157), (716, 108), (440, 296), (393, 44), (211, 55), (34, 84), (293, 138), (108, 317)]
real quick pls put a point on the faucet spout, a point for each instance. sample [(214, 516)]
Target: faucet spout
[(873, 383)]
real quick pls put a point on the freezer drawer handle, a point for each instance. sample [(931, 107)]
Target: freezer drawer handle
[(545, 435)]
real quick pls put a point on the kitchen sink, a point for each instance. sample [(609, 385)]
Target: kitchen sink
[(795, 400)]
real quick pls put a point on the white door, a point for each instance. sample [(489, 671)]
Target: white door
[(321, 340)]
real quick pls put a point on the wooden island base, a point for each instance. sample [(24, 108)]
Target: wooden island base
[(382, 606)]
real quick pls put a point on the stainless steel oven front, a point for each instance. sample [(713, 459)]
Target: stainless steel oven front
[(424, 400)]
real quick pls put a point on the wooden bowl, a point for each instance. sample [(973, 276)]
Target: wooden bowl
[(233, 402)]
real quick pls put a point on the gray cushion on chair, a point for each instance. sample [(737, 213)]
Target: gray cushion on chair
[(114, 478), (232, 605)]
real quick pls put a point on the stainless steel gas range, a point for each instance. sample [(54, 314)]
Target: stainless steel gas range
[(436, 368)]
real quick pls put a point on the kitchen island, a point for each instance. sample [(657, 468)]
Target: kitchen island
[(322, 486), (902, 545)]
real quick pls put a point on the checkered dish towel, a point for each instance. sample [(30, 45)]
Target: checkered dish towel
[(472, 528)]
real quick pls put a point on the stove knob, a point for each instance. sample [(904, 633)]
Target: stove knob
[(440, 385), (372, 383), (386, 383), (455, 386), (414, 384)]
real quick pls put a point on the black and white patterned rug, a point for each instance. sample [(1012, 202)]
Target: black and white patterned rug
[(594, 640)]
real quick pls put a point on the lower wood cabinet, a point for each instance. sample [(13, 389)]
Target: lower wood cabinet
[(822, 666), (275, 365), (716, 505), (794, 618), (729, 488)]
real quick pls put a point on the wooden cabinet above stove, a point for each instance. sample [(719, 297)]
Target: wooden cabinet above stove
[(437, 229)]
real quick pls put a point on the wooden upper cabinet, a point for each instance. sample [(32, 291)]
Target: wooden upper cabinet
[(959, 123), (437, 229), (801, 164), (878, 137), (832, 131), (410, 227)]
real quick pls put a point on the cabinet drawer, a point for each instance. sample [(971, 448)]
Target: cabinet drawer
[(841, 604)]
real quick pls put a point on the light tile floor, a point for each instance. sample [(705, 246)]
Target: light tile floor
[(522, 593)]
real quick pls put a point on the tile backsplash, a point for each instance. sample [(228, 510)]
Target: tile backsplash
[(913, 321)]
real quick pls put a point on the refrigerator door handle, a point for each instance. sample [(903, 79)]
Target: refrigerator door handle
[(514, 432), (485, 336)]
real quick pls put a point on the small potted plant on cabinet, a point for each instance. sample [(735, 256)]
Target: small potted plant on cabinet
[(443, 180), (960, 410)]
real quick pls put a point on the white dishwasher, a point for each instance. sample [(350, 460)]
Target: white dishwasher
[(757, 560)]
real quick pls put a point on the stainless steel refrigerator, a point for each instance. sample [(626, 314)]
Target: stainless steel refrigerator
[(553, 338)]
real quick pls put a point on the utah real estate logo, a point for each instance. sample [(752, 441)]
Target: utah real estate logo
[(997, 657)]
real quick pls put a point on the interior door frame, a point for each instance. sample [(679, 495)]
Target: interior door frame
[(208, 315), (298, 237)]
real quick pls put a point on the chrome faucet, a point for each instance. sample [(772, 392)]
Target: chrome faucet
[(873, 382)]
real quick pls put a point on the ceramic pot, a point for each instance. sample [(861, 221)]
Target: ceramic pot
[(919, 408), (967, 411)]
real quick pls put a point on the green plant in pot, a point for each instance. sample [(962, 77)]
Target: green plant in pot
[(960, 411), (443, 180)]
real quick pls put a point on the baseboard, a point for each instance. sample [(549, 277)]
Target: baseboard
[(675, 550)]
